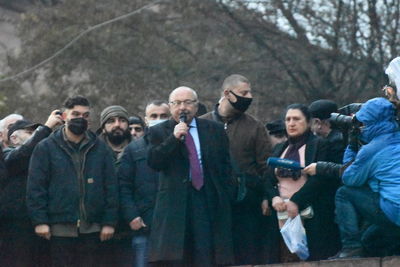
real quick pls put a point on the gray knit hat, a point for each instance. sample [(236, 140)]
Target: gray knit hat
[(112, 111)]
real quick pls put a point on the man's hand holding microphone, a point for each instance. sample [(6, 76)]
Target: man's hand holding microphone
[(181, 129)]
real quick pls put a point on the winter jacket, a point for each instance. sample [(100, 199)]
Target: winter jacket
[(13, 192), (378, 162), (58, 193), (138, 184), (318, 192)]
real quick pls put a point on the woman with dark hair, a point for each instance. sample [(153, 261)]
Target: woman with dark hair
[(291, 192)]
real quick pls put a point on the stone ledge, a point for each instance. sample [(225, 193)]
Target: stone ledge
[(363, 262)]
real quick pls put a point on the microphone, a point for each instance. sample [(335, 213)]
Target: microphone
[(183, 118), (284, 163)]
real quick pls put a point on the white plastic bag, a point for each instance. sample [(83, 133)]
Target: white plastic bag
[(295, 238)]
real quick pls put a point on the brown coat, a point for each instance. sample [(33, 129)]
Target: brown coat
[(249, 142), (249, 146)]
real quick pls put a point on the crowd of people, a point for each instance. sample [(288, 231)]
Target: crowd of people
[(183, 187)]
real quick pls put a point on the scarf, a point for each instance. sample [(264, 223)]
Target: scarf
[(295, 143)]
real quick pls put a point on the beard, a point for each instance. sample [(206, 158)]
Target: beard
[(117, 136)]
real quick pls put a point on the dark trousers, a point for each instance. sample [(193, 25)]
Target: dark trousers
[(379, 241), (198, 241), (198, 247), (116, 252), (23, 250), (19, 246), (74, 251), (249, 230), (353, 205)]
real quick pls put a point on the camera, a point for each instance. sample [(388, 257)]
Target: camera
[(347, 122), (350, 109), (345, 119)]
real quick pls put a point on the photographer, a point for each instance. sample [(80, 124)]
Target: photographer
[(371, 182)]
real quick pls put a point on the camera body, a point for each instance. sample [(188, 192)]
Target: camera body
[(345, 118), (344, 121), (347, 122)]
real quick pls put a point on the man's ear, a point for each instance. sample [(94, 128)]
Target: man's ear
[(327, 122), (226, 93)]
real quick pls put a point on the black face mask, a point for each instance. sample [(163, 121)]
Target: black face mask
[(242, 103), (78, 126), (117, 138)]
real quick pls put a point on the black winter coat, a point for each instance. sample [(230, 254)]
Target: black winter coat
[(55, 187), (319, 192), (138, 184), (336, 145), (13, 191), (169, 155)]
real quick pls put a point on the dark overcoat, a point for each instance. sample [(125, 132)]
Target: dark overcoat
[(319, 192), (169, 156)]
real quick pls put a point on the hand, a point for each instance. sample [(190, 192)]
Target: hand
[(278, 204), (292, 209), (137, 223), (106, 233), (311, 169), (181, 129), (354, 137), (54, 119), (265, 208), (43, 230)]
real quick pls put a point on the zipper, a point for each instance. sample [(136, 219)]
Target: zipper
[(83, 192), (81, 185)]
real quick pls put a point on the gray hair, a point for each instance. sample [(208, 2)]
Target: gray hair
[(13, 116)]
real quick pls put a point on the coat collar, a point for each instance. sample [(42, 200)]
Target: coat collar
[(202, 129)]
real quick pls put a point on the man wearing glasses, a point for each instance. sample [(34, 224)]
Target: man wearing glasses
[(192, 216)]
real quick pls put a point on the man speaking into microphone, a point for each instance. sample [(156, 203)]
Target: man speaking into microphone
[(192, 216)]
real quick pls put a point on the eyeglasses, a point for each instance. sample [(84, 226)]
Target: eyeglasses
[(186, 102)]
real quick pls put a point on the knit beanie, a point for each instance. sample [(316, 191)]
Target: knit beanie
[(112, 111)]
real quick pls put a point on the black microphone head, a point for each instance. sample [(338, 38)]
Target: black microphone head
[(183, 117)]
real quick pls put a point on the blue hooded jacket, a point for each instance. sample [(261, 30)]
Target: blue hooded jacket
[(378, 162)]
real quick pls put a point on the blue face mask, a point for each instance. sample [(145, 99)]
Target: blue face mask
[(155, 122)]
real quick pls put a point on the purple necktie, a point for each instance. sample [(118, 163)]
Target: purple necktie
[(195, 168)]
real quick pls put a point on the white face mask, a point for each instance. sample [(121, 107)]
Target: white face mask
[(155, 122)]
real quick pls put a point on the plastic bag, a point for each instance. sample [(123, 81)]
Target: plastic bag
[(295, 238)]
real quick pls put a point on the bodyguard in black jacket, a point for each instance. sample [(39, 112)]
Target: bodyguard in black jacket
[(72, 191), (55, 186)]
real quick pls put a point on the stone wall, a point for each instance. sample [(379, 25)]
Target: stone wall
[(364, 262)]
